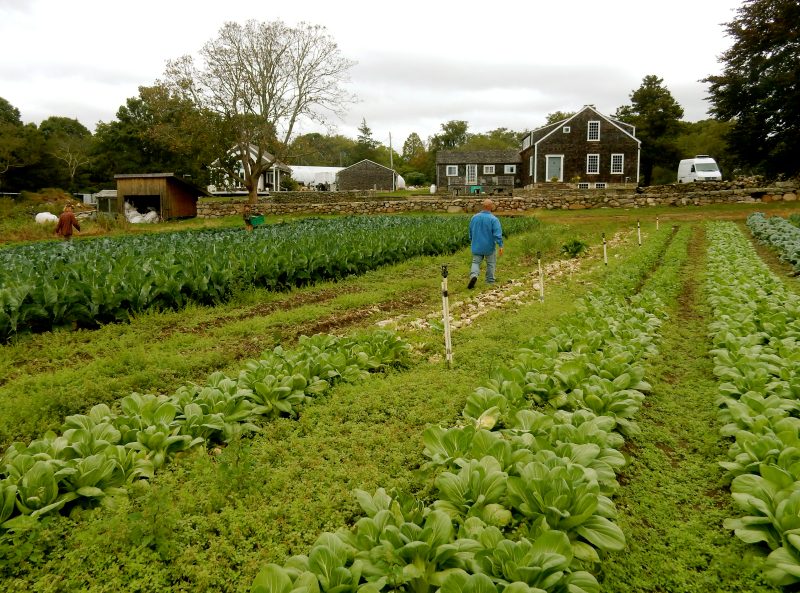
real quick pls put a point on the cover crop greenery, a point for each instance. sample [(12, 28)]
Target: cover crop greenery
[(522, 484), (99, 454)]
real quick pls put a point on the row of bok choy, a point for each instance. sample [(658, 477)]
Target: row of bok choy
[(97, 455), (523, 484), (756, 350)]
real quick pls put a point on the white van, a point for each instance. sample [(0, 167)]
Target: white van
[(700, 168)]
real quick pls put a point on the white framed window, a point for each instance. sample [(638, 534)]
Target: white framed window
[(617, 163), (526, 142), (583, 185), (593, 133), (567, 129), (592, 164), (488, 169), (452, 171), (530, 166), (600, 185), (472, 175), (510, 169)]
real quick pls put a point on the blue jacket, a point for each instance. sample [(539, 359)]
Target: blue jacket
[(484, 232)]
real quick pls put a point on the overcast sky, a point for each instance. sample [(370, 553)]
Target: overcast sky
[(419, 63)]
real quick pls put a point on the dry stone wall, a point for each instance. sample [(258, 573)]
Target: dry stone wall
[(523, 200)]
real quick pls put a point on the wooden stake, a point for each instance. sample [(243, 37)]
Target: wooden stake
[(541, 276), (605, 251), (448, 345)]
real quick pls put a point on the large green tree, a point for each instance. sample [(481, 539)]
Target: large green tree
[(708, 136), (322, 150), (366, 146), (657, 117), (256, 82), (156, 132), (416, 161), (498, 139), (759, 88), (557, 116), (454, 135), (21, 147), (69, 143)]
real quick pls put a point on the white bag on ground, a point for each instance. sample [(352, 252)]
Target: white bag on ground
[(45, 217)]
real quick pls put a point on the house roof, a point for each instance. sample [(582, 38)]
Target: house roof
[(540, 134), (453, 157)]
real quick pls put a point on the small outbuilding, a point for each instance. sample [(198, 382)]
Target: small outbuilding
[(165, 193), (366, 175)]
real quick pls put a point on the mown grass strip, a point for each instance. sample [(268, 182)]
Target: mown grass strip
[(672, 501)]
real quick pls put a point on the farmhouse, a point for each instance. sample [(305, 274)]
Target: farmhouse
[(366, 174), (269, 180), (589, 148), (170, 196), (478, 171)]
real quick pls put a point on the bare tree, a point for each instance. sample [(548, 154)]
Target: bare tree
[(74, 153), (255, 82)]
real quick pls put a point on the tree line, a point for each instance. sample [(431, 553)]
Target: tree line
[(250, 86)]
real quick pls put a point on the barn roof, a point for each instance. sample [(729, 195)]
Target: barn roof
[(367, 162)]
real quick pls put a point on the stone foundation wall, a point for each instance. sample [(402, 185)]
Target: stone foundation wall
[(523, 200)]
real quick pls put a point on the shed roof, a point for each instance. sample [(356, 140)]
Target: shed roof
[(171, 176), (452, 157)]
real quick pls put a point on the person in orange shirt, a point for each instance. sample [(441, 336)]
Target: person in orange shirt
[(66, 222)]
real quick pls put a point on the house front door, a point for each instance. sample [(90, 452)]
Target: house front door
[(555, 167), (472, 174)]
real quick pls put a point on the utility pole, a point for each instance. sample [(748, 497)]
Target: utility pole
[(391, 163)]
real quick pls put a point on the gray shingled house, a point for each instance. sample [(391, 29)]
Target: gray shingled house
[(364, 175), (589, 148), (478, 171)]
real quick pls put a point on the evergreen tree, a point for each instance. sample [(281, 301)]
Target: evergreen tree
[(759, 88), (657, 117)]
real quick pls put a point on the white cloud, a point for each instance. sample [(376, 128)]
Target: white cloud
[(422, 64)]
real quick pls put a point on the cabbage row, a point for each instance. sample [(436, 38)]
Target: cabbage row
[(98, 455), (523, 485), (52, 284), (756, 350), (778, 233)]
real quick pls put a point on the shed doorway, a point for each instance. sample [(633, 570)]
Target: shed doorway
[(145, 204)]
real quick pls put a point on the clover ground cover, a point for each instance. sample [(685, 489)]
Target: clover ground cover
[(208, 522)]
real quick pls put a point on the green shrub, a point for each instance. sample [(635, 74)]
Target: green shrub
[(573, 248)]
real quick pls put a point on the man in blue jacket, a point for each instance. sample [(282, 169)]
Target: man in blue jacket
[(485, 232)]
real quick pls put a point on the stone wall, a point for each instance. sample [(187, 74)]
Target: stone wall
[(523, 200)]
